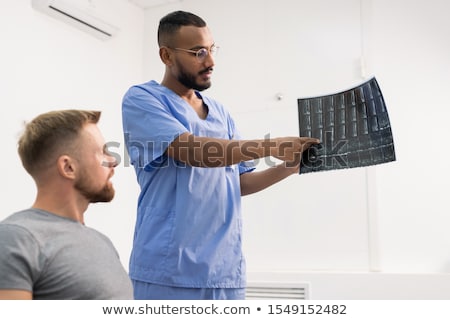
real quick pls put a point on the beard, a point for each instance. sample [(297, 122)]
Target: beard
[(189, 80), (84, 185)]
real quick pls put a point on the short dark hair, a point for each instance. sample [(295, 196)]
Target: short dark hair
[(172, 22), (50, 134)]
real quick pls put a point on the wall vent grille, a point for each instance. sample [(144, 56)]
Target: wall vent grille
[(294, 291)]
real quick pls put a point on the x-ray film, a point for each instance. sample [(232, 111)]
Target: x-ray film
[(353, 127)]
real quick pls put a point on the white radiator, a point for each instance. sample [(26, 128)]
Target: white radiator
[(274, 290), (348, 285)]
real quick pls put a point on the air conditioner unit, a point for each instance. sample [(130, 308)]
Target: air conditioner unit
[(86, 15)]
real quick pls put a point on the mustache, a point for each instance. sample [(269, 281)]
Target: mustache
[(209, 69)]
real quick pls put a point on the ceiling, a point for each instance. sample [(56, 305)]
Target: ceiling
[(144, 4)]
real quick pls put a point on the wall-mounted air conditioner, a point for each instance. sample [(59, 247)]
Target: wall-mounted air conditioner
[(86, 15)]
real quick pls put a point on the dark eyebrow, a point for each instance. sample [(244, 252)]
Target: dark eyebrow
[(196, 48), (202, 47)]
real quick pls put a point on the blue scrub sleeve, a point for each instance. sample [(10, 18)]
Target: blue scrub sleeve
[(149, 128), (245, 166)]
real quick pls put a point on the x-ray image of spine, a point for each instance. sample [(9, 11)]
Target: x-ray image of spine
[(353, 127)]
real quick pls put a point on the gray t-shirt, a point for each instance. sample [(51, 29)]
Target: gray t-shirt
[(58, 258)]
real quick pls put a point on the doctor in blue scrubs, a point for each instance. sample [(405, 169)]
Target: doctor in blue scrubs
[(192, 168)]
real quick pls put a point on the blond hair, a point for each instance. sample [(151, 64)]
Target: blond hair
[(50, 135)]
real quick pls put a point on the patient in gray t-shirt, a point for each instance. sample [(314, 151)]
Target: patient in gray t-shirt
[(58, 258), (46, 251)]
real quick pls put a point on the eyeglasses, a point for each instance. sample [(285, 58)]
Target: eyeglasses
[(202, 53)]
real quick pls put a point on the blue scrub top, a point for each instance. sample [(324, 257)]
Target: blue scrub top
[(188, 227)]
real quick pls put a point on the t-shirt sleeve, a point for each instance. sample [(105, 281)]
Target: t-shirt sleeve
[(149, 128), (19, 258)]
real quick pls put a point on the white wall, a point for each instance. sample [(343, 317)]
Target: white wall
[(46, 64), (391, 218), (408, 47), (298, 49)]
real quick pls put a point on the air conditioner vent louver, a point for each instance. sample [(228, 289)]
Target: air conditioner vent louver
[(81, 21), (295, 291), (83, 14)]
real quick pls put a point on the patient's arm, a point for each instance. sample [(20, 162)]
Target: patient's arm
[(16, 295)]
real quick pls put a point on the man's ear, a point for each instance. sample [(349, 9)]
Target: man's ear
[(66, 167), (166, 56)]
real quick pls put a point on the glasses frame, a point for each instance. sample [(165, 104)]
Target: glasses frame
[(212, 51)]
